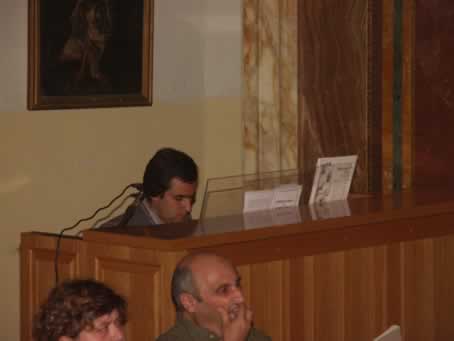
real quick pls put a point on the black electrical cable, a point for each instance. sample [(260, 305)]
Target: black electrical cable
[(60, 235)]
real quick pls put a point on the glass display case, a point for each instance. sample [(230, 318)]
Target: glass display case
[(225, 196)]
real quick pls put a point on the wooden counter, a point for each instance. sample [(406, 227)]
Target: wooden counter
[(382, 260)]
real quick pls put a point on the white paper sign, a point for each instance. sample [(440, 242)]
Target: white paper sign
[(332, 179), (281, 196), (257, 200), (286, 196)]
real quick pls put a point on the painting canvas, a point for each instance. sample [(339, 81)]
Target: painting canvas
[(90, 53)]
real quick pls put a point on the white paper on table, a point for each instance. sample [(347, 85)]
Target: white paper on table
[(286, 196), (332, 179), (257, 200)]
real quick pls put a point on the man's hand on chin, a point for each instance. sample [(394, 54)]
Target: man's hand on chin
[(211, 321), (236, 327)]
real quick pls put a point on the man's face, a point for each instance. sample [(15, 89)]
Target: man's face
[(219, 288), (105, 328), (175, 205)]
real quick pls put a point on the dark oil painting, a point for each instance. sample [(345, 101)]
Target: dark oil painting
[(91, 52)]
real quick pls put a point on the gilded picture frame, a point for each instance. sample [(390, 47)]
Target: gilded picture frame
[(90, 53)]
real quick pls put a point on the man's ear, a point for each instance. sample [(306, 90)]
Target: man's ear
[(189, 302)]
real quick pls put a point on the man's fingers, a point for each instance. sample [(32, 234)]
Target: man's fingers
[(224, 316), (245, 312)]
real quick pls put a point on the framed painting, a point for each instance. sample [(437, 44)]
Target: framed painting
[(90, 53)]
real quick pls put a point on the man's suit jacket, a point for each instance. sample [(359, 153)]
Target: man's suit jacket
[(133, 216)]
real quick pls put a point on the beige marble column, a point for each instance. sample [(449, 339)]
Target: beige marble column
[(270, 113)]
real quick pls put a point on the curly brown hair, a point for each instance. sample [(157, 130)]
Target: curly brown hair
[(72, 306)]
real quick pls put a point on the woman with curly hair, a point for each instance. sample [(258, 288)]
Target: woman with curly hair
[(82, 310)]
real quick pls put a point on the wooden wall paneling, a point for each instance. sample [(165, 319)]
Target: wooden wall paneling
[(418, 290), (269, 280), (287, 297), (379, 290), (304, 280), (142, 277), (140, 283), (335, 279), (37, 269), (393, 278), (361, 294), (339, 296), (252, 293), (245, 274), (444, 288), (258, 290), (343, 292), (168, 261), (329, 298)]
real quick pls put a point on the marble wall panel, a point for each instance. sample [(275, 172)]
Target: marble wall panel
[(387, 94), (434, 91), (333, 82), (408, 92), (270, 119), (334, 47), (397, 94)]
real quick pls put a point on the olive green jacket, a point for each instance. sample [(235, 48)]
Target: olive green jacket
[(186, 330)]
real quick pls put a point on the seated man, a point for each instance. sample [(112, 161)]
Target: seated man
[(209, 301), (82, 310), (169, 190)]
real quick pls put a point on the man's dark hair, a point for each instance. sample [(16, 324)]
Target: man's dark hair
[(165, 165), (183, 282), (72, 306)]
